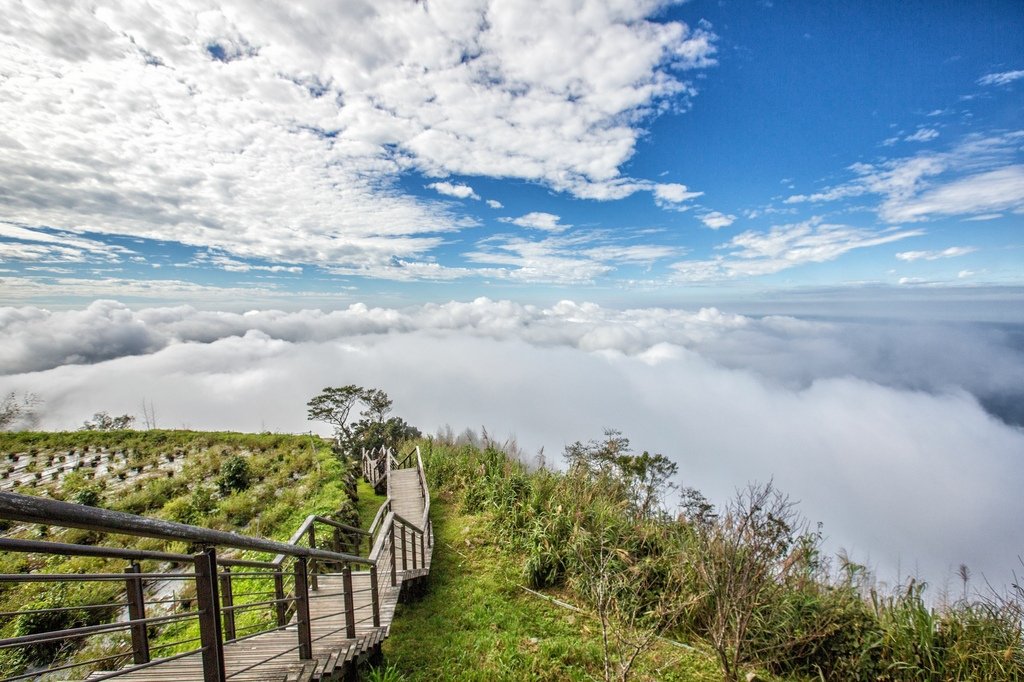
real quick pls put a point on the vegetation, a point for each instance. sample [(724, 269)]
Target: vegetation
[(334, 405), (746, 585), (260, 484)]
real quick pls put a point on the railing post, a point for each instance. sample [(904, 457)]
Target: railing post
[(423, 550), (394, 553), (405, 565), (137, 611), (312, 562), (302, 609), (412, 541), (350, 607), (430, 532), (282, 606), (375, 595), (209, 615), (227, 601)]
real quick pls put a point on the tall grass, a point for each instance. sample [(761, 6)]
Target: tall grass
[(805, 621)]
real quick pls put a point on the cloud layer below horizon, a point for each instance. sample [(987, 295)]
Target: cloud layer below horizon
[(877, 429)]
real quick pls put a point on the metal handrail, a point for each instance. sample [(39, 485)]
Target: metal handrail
[(29, 509), (382, 533)]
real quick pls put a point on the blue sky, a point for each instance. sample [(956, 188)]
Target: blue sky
[(218, 206), (628, 153)]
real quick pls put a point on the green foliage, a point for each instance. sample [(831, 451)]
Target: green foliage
[(287, 477), (234, 475), (334, 405), (101, 421), (746, 581)]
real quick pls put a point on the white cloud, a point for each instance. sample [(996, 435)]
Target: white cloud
[(538, 220), (672, 194), (716, 220), (922, 135), (755, 253), (253, 130), (951, 252), (1001, 78), (981, 193), (978, 176), (452, 190), (822, 407), (494, 203)]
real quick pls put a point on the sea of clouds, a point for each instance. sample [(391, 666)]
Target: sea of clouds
[(903, 439)]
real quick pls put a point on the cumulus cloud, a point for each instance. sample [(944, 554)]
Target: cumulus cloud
[(1001, 78), (494, 203), (538, 220), (254, 130), (673, 194), (454, 190), (866, 424), (716, 220), (951, 252)]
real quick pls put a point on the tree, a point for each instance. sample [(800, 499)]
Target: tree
[(19, 412), (377, 403), (333, 406), (101, 421), (643, 479)]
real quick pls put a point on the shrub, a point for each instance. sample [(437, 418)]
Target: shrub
[(234, 475)]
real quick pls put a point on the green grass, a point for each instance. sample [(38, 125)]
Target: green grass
[(290, 477), (476, 623)]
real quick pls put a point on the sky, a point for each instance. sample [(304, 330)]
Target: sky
[(768, 239)]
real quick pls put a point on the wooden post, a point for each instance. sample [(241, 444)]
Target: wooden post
[(137, 611), (405, 565), (282, 606), (430, 531), (209, 616), (375, 595), (394, 553), (312, 562), (423, 550), (350, 607), (302, 609), (412, 541), (227, 601)]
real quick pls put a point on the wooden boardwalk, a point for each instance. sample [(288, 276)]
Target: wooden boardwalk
[(275, 655)]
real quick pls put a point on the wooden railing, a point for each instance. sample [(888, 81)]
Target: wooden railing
[(277, 591)]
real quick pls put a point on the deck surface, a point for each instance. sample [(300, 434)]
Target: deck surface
[(274, 656)]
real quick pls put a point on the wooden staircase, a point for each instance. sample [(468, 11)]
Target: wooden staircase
[(343, 604)]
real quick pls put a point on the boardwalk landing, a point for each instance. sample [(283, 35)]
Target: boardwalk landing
[(333, 653)]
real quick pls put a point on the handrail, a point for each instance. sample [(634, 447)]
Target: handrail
[(46, 547), (29, 509), (392, 537)]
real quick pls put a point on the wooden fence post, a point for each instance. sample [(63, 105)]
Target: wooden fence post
[(312, 562), (375, 595), (405, 565), (227, 601), (282, 606), (302, 609), (394, 554), (209, 615), (350, 608), (137, 611)]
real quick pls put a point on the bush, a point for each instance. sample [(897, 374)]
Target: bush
[(234, 475)]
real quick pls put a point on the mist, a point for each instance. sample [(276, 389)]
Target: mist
[(880, 432)]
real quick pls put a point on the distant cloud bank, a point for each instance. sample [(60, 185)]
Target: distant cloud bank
[(880, 430)]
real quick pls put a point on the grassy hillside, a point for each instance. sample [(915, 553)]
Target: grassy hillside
[(745, 585), (257, 484)]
